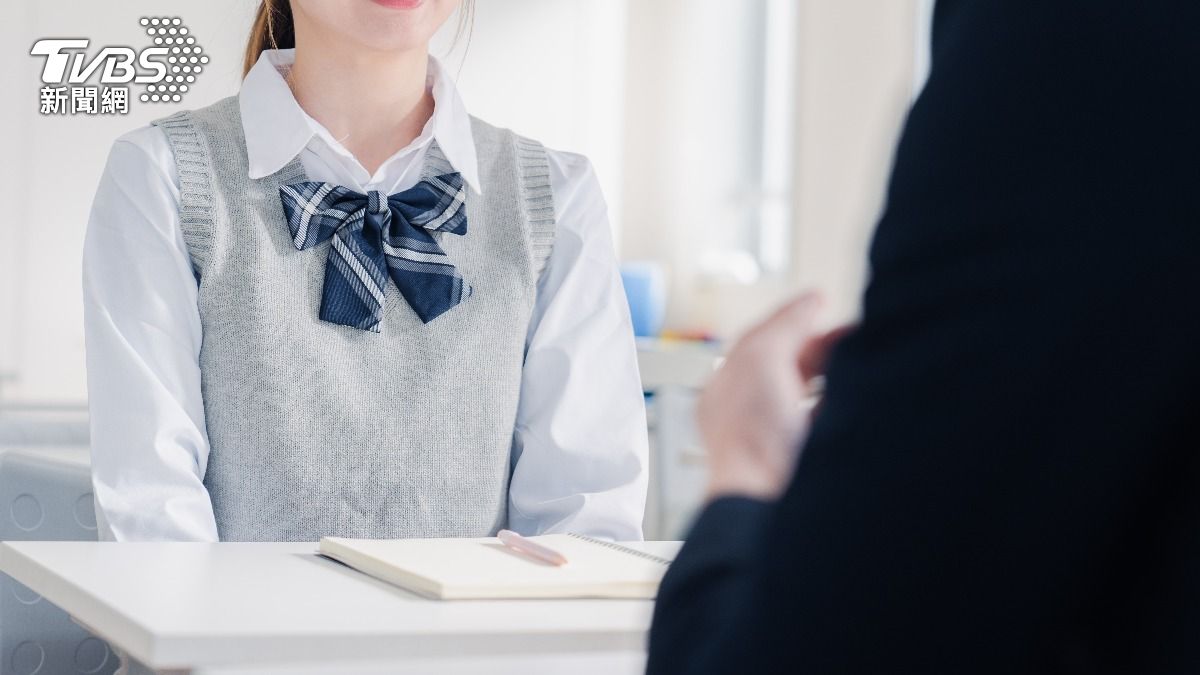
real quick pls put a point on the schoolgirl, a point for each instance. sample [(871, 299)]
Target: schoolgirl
[(337, 304)]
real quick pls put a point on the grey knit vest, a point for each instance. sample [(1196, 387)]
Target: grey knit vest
[(318, 429)]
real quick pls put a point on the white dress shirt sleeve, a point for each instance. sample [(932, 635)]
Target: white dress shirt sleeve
[(142, 331), (580, 443)]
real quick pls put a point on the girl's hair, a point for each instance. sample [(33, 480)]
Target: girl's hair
[(273, 28)]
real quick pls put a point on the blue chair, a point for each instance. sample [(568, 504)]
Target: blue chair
[(45, 497)]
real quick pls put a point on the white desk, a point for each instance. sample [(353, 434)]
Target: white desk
[(259, 608)]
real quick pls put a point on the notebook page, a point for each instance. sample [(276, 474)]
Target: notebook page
[(485, 567)]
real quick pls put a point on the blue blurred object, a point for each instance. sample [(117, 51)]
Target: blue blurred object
[(646, 290)]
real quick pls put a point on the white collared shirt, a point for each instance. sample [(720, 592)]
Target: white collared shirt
[(579, 444)]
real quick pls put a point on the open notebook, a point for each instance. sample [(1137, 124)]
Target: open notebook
[(450, 569)]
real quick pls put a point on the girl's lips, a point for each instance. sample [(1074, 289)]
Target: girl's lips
[(399, 4)]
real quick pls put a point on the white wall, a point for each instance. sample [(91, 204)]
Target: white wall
[(855, 81), (550, 69), (52, 165)]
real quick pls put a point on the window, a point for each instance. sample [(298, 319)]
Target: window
[(752, 166)]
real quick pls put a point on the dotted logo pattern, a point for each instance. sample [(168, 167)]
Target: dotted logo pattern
[(185, 59)]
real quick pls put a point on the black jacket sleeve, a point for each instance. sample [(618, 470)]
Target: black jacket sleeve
[(1004, 474)]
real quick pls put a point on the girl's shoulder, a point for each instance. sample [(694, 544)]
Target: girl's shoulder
[(144, 150), (569, 173), (570, 168), (569, 165), (150, 145)]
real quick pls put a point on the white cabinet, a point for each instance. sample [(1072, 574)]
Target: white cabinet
[(672, 374), (678, 472)]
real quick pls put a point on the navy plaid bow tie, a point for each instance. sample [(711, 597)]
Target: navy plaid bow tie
[(376, 236)]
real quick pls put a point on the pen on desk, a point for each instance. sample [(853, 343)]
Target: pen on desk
[(530, 548)]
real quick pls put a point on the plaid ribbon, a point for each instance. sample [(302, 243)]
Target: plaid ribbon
[(375, 236)]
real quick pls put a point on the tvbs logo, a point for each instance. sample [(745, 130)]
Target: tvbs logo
[(167, 69)]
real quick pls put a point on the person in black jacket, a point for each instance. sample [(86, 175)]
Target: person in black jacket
[(1003, 475)]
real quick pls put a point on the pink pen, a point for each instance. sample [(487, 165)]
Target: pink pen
[(530, 548)]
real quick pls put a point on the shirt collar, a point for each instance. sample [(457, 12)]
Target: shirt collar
[(277, 128)]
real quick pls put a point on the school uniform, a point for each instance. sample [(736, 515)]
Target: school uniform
[(252, 377)]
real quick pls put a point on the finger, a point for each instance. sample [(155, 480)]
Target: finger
[(815, 353), (791, 326)]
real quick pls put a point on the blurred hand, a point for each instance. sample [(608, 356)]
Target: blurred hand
[(753, 411)]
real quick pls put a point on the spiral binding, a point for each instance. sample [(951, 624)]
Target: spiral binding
[(624, 549)]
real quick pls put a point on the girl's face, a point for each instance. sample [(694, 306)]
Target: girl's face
[(384, 25)]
